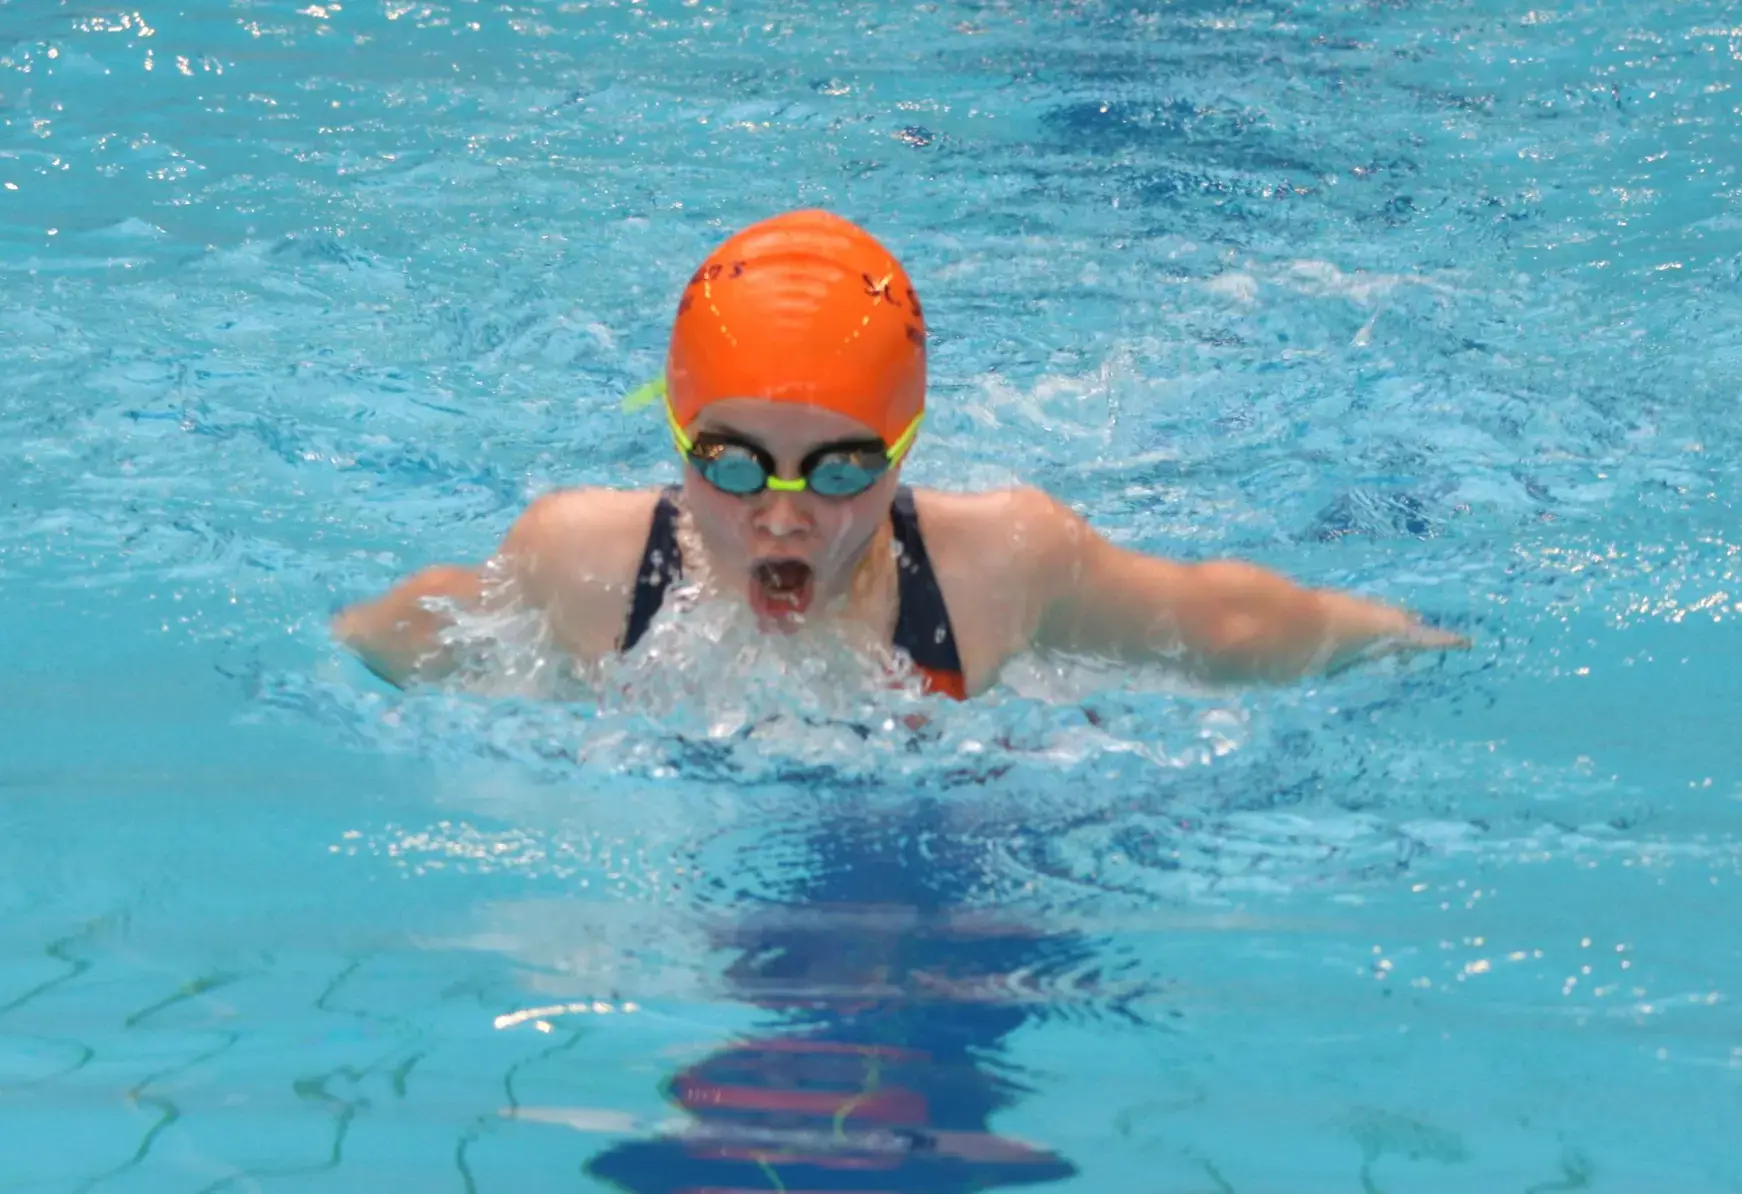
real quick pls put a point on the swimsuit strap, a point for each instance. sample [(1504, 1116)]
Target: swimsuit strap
[(922, 621), (661, 564), (922, 624)]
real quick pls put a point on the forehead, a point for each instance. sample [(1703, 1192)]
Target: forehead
[(781, 424)]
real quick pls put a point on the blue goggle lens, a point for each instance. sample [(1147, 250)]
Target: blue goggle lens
[(734, 471), (743, 471), (843, 476)]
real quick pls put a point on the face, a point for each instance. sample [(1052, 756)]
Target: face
[(787, 552)]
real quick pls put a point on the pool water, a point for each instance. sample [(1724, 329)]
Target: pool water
[(1438, 301)]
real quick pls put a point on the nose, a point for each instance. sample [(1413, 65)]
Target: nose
[(781, 516)]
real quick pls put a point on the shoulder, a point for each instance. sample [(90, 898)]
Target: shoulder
[(558, 516), (1015, 528), (1022, 501), (998, 556), (580, 545)]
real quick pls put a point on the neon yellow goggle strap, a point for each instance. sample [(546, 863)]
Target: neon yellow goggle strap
[(894, 452), (685, 445), (904, 441), (645, 395), (655, 391)]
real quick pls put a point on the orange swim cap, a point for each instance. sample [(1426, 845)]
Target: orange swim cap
[(806, 308)]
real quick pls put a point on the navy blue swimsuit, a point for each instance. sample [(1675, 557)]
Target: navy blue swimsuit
[(922, 623)]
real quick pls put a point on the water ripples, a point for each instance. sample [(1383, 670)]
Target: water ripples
[(1432, 301)]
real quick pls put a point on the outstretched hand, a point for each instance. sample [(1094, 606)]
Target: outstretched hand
[(1411, 639), (1431, 638)]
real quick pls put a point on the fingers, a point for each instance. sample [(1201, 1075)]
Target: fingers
[(1432, 638)]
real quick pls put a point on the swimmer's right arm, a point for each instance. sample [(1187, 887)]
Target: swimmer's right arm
[(572, 555), (398, 635)]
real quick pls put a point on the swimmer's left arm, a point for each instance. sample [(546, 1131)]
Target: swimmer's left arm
[(1223, 621)]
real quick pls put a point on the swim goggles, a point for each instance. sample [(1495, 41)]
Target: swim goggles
[(742, 469)]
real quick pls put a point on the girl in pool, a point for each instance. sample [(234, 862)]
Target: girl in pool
[(794, 387)]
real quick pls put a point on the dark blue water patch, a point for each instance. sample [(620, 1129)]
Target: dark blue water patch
[(1498, 218), (1375, 515), (164, 538), (322, 249), (1394, 212), (632, 451), (466, 334), (1162, 122), (1174, 150), (890, 1005), (302, 446), (1189, 187)]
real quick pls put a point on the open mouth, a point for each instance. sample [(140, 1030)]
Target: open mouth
[(781, 589)]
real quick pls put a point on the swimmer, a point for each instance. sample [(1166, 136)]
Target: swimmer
[(794, 388)]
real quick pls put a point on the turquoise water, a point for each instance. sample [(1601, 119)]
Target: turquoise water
[(1439, 301)]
